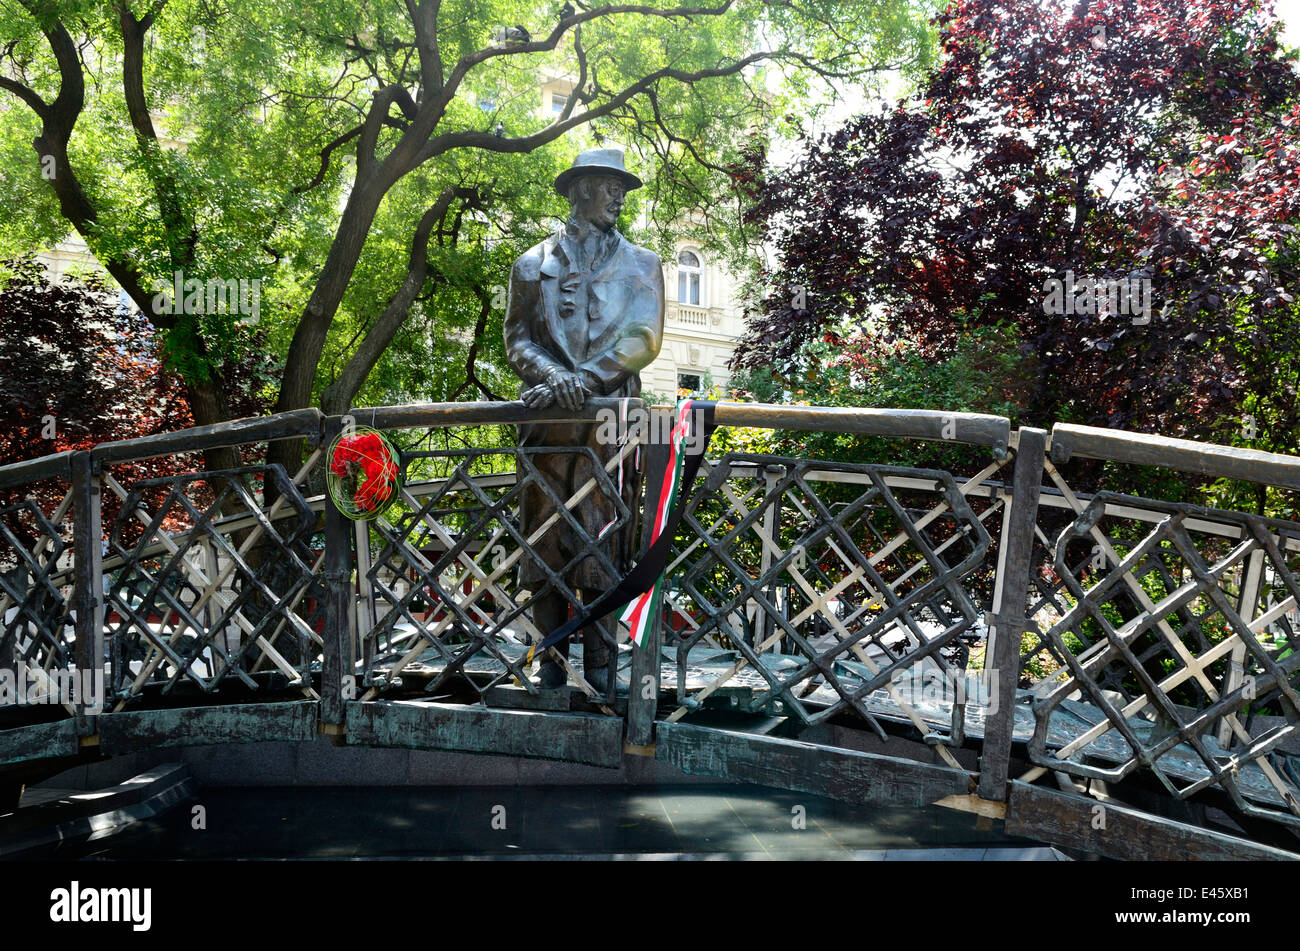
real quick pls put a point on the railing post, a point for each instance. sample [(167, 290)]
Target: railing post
[(338, 666), (1252, 583), (1009, 619), (88, 584), (643, 677), (772, 476)]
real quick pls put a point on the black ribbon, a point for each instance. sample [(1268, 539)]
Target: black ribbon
[(647, 571)]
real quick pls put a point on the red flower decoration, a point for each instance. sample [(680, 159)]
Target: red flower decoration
[(367, 454)]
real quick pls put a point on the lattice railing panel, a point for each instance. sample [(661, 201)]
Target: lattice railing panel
[(1157, 651), (36, 620), (457, 576), (836, 573), (207, 584)]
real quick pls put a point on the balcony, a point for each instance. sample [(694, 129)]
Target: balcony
[(690, 316)]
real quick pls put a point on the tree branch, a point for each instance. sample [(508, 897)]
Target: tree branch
[(470, 60), (57, 122), (27, 95), (325, 154), (182, 235), (375, 120), (480, 327), (337, 397), (424, 18), (137, 109), (470, 138)]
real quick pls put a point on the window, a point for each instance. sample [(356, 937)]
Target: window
[(689, 271), (689, 381), (558, 102)]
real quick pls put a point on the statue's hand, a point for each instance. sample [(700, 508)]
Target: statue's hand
[(569, 390), (538, 397)]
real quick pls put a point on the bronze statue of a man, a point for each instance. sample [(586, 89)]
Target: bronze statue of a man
[(585, 314)]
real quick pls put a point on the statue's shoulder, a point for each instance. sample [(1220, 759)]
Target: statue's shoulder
[(529, 264), (645, 260)]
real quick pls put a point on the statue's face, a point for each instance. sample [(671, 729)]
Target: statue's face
[(599, 200)]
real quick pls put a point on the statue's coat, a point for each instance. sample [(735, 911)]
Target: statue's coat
[(604, 321)]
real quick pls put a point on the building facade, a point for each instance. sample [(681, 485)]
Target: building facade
[(702, 323)]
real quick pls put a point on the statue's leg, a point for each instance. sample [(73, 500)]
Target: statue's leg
[(549, 611), (595, 649)]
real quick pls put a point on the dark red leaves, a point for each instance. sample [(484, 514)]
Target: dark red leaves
[(1154, 139)]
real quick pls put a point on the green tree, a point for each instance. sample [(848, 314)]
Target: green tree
[(376, 165)]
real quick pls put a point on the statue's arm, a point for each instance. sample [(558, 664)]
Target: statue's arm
[(530, 361), (638, 344)]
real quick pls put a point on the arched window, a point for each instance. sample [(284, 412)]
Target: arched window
[(689, 277)]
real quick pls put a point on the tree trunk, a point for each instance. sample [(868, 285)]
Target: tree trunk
[(309, 338)]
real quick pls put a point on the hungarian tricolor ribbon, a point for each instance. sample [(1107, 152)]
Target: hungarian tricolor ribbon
[(645, 606)]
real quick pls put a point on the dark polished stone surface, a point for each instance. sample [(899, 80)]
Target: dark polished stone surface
[(665, 822)]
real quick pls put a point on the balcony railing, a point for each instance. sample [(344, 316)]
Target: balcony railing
[(688, 315)]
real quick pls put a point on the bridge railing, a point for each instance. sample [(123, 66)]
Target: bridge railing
[(450, 581), (826, 588), (1161, 642), (180, 584), (38, 536), (1103, 643)]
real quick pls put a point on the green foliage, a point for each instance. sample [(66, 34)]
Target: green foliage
[(986, 373), (249, 96)]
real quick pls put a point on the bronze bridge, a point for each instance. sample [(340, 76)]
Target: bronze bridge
[(991, 640)]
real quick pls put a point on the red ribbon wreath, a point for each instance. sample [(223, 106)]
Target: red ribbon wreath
[(367, 454)]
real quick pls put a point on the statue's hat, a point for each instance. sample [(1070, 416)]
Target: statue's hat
[(597, 162)]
